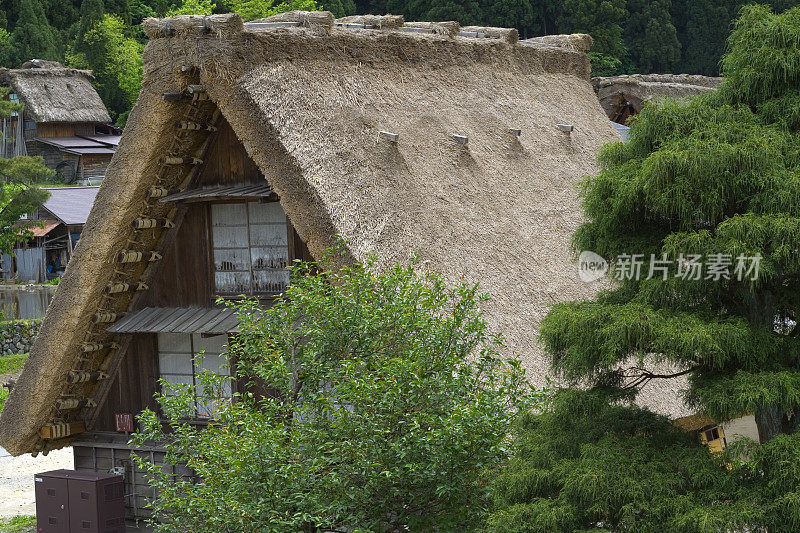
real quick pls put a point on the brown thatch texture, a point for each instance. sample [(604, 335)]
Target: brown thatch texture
[(305, 18), (636, 89), (308, 108), (580, 42), (56, 94), (449, 28), (510, 35), (375, 21)]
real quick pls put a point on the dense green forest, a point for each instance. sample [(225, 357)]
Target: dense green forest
[(630, 35)]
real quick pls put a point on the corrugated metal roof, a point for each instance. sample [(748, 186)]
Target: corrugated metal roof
[(109, 140), (214, 321), (252, 190), (622, 130), (71, 205), (84, 144), (90, 150)]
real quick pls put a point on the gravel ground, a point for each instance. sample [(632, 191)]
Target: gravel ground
[(16, 479)]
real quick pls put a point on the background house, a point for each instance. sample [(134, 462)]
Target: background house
[(56, 228), (64, 120), (623, 96)]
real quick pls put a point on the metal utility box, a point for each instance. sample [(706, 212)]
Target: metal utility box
[(79, 501)]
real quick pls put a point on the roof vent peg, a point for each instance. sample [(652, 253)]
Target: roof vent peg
[(566, 128), (515, 131), (461, 139), (389, 136)]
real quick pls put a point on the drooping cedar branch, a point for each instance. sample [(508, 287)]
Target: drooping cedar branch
[(637, 376)]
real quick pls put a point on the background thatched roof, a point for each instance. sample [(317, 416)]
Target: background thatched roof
[(636, 89), (308, 104), (52, 93)]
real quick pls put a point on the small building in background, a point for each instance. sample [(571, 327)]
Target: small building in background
[(623, 96), (56, 228), (64, 120)]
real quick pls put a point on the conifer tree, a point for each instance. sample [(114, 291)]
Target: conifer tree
[(700, 186), (32, 37)]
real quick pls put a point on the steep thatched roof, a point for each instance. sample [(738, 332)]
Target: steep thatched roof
[(308, 103), (635, 89), (52, 93)]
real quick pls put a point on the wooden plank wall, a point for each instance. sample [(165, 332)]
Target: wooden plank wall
[(134, 385), (185, 276), (227, 162)]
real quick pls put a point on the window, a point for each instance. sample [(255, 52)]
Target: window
[(250, 243), (175, 359), (714, 438)]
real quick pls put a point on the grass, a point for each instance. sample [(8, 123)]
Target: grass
[(12, 363), (17, 524)]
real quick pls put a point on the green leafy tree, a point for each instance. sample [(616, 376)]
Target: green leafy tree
[(387, 399), (651, 37), (713, 180), (32, 36), (601, 19), (466, 12), (339, 8), (116, 61), (18, 193)]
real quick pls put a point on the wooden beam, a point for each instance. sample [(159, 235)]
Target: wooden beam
[(159, 192), (172, 160), (193, 126), (148, 223), (62, 429), (97, 346), (74, 403), (134, 256), (83, 376), (115, 288), (105, 318)]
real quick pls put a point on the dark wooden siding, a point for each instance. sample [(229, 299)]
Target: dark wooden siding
[(134, 385), (184, 275), (227, 162)]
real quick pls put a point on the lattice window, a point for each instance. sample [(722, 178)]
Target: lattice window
[(176, 362), (251, 248)]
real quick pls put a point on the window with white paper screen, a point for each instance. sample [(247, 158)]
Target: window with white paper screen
[(251, 248), (176, 352)]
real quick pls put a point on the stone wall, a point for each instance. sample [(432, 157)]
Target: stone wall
[(17, 336)]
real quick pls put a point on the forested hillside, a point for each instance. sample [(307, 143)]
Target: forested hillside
[(630, 35)]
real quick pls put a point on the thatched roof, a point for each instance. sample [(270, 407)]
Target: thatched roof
[(308, 103), (52, 93), (635, 89)]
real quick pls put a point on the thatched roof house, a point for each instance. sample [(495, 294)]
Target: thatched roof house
[(52, 93), (400, 137), (623, 96), (64, 119)]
